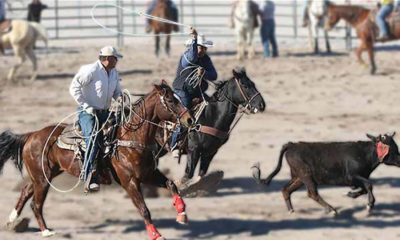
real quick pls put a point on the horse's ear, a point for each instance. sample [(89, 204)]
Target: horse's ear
[(163, 82), (374, 139), (158, 88), (236, 72)]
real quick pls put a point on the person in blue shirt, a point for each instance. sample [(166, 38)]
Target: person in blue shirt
[(174, 12), (194, 68), (267, 31)]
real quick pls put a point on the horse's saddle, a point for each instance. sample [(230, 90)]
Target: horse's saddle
[(5, 26), (391, 21), (71, 139)]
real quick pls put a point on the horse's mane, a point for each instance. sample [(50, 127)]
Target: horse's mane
[(220, 88)]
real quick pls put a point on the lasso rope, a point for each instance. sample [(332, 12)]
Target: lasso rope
[(44, 148), (142, 14), (94, 134)]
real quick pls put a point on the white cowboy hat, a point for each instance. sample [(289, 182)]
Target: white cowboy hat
[(110, 51), (201, 40)]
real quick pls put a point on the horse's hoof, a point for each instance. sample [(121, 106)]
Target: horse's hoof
[(369, 209), (182, 219), (19, 225), (291, 211), (333, 212), (48, 233)]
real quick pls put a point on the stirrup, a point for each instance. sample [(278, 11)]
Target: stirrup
[(175, 153)]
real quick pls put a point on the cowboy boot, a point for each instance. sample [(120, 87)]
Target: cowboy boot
[(91, 184)]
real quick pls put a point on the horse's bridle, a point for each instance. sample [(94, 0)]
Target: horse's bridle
[(247, 99), (244, 95), (165, 105), (142, 119)]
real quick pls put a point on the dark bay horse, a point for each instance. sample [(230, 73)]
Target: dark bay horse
[(132, 164), (219, 115), (162, 10), (363, 22)]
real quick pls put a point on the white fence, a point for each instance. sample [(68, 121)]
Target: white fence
[(66, 19)]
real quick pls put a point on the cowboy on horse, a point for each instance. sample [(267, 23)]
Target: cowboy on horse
[(194, 67), (92, 88), (386, 7), (173, 9)]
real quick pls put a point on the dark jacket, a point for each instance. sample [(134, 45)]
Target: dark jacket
[(191, 58)]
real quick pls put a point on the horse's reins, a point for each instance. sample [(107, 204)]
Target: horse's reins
[(177, 115)]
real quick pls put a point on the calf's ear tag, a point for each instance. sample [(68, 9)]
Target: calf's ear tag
[(381, 150)]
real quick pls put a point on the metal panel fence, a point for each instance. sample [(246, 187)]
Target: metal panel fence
[(72, 19)]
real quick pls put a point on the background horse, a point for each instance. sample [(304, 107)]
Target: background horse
[(316, 14), (162, 11), (219, 115), (363, 21), (244, 15), (21, 39), (131, 165)]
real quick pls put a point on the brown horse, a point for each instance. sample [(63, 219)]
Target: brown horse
[(162, 10), (363, 21), (132, 164)]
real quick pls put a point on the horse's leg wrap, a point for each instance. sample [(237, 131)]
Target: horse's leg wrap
[(179, 204), (180, 209), (13, 216), (152, 232)]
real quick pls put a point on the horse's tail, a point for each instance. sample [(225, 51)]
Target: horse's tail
[(257, 170), (41, 32), (11, 146)]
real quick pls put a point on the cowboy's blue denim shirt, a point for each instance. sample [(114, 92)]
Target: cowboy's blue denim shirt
[(191, 56)]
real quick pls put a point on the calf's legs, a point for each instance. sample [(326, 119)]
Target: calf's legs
[(288, 189), (313, 194), (368, 187)]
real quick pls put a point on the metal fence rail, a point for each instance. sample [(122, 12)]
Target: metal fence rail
[(72, 19)]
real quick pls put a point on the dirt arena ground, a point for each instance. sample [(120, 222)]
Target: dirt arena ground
[(309, 98)]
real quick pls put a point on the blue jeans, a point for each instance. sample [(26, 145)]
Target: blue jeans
[(87, 123), (186, 100), (267, 33), (383, 12)]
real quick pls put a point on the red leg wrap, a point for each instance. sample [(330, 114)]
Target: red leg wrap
[(152, 231), (179, 204)]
